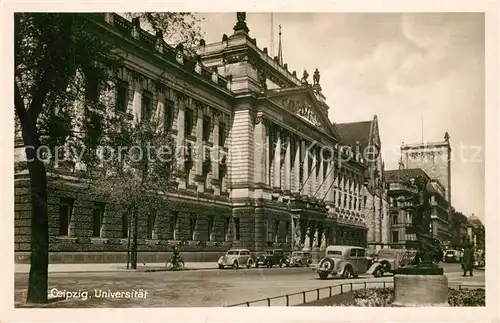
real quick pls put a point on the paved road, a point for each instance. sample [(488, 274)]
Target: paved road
[(193, 288)]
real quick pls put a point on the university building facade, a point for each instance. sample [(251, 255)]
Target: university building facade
[(262, 166)]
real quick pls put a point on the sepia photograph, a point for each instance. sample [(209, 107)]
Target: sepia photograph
[(249, 159)]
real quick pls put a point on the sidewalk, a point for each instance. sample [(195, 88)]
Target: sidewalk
[(73, 268)]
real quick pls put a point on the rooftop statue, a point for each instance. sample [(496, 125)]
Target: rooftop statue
[(305, 75), (316, 77)]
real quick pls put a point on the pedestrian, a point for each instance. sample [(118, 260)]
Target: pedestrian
[(468, 260)]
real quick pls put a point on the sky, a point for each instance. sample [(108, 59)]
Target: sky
[(422, 74)]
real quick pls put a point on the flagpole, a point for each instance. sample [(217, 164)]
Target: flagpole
[(272, 35)]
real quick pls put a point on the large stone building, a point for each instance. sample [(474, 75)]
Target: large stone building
[(364, 137), (278, 174), (399, 189), (435, 159)]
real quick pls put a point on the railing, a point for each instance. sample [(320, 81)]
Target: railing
[(316, 293)]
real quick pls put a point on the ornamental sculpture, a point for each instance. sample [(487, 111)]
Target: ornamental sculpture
[(428, 250), (316, 77), (302, 109)]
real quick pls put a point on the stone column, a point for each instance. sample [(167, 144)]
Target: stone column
[(216, 185), (320, 187), (287, 185), (181, 103), (277, 163), (198, 158), (260, 150), (305, 167), (313, 170), (296, 167)]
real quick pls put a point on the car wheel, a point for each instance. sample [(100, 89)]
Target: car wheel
[(323, 275), (221, 267), (235, 265), (269, 264), (257, 264), (378, 273), (348, 274), (326, 264), (249, 264), (281, 264)]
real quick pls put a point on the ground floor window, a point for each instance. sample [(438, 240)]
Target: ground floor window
[(237, 228), (395, 236), (65, 214), (97, 219)]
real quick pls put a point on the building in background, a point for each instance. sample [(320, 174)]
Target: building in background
[(278, 174), (476, 232), (435, 159), (364, 137), (399, 189), (459, 224)]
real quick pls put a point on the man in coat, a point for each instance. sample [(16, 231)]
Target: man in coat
[(468, 260)]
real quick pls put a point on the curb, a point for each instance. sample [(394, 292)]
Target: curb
[(115, 270)]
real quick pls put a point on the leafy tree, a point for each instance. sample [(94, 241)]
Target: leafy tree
[(56, 56), (136, 165)]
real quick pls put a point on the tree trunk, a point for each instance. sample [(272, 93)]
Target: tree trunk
[(38, 276), (129, 231), (134, 242)]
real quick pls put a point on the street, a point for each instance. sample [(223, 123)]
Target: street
[(195, 288)]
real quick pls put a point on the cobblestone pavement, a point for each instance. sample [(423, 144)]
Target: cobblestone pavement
[(198, 288)]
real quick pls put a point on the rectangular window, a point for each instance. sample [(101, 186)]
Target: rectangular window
[(237, 228), (210, 227), (125, 232), (92, 87), (121, 99), (168, 115), (395, 219), (222, 134), (276, 230), (394, 202), (206, 128), (173, 224), (192, 226), (395, 236), (364, 201), (226, 228), (361, 253), (287, 230), (65, 213), (146, 105), (345, 200), (188, 122), (151, 223), (97, 218)]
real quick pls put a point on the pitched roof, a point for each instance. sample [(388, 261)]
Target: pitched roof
[(355, 133), (404, 174)]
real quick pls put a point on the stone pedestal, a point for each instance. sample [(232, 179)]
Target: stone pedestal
[(416, 287)]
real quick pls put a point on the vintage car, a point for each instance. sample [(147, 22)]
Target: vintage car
[(299, 259), (453, 255), (345, 261), (235, 258), (389, 260), (270, 258)]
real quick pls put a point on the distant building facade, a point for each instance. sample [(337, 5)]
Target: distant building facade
[(274, 179), (400, 189), (435, 159), (364, 136)]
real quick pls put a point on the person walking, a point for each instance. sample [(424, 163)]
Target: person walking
[(468, 260)]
